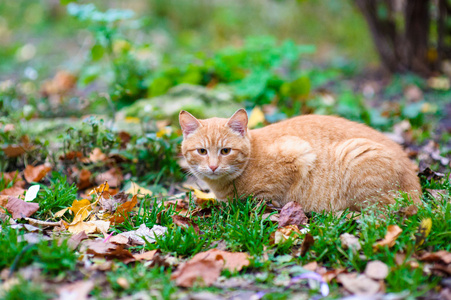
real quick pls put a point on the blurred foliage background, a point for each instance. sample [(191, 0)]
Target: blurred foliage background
[(80, 75)]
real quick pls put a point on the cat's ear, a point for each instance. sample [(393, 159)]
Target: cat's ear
[(188, 123), (238, 122)]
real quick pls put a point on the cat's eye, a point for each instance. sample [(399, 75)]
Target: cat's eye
[(202, 151), (225, 151)]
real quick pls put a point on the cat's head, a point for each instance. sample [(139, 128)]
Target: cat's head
[(216, 148)]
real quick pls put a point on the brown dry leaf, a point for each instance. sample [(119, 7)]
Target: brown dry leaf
[(113, 176), (71, 155), (148, 255), (438, 194), (185, 222), (35, 174), (376, 270), (76, 239), (233, 261), (98, 226), (393, 231), (285, 233), (97, 155), (84, 179), (349, 241), (103, 188), (78, 290), (13, 191), (311, 266), (123, 210), (292, 214), (19, 208), (111, 204), (3, 202), (109, 251), (439, 256), (61, 212), (16, 150), (203, 199), (330, 275), (203, 272), (359, 284), (307, 243), (429, 174), (10, 176)]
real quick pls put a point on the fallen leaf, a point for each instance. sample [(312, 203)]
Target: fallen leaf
[(19, 208), (71, 155), (233, 261), (138, 190), (3, 202), (81, 210), (104, 187), (16, 150), (98, 226), (84, 179), (288, 232), (35, 174), (393, 231), (376, 270), (123, 283), (423, 231), (137, 236), (109, 251), (307, 243), (123, 210), (349, 241), (311, 266), (75, 240), (359, 284), (10, 177), (429, 174), (185, 222), (439, 256), (111, 204), (113, 176), (330, 275), (256, 117), (78, 290), (60, 213), (97, 155), (148, 255), (13, 191), (203, 272), (438, 194), (32, 193), (292, 214)]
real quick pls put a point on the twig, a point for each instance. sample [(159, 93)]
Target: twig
[(43, 223)]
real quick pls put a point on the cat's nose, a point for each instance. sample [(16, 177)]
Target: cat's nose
[(213, 168)]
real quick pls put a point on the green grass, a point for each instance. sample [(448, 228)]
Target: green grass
[(24, 289), (60, 194), (52, 257)]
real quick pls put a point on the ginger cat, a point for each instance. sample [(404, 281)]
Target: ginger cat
[(322, 162)]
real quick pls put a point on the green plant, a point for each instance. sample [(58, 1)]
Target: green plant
[(181, 241), (60, 194), (24, 289), (53, 257), (141, 278)]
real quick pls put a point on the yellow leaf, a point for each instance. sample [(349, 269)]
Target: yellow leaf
[(164, 131), (134, 189), (100, 189), (423, 231), (78, 205), (393, 231), (60, 213), (256, 117), (204, 196), (133, 120)]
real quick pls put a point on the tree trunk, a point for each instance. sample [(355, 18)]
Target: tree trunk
[(400, 48)]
